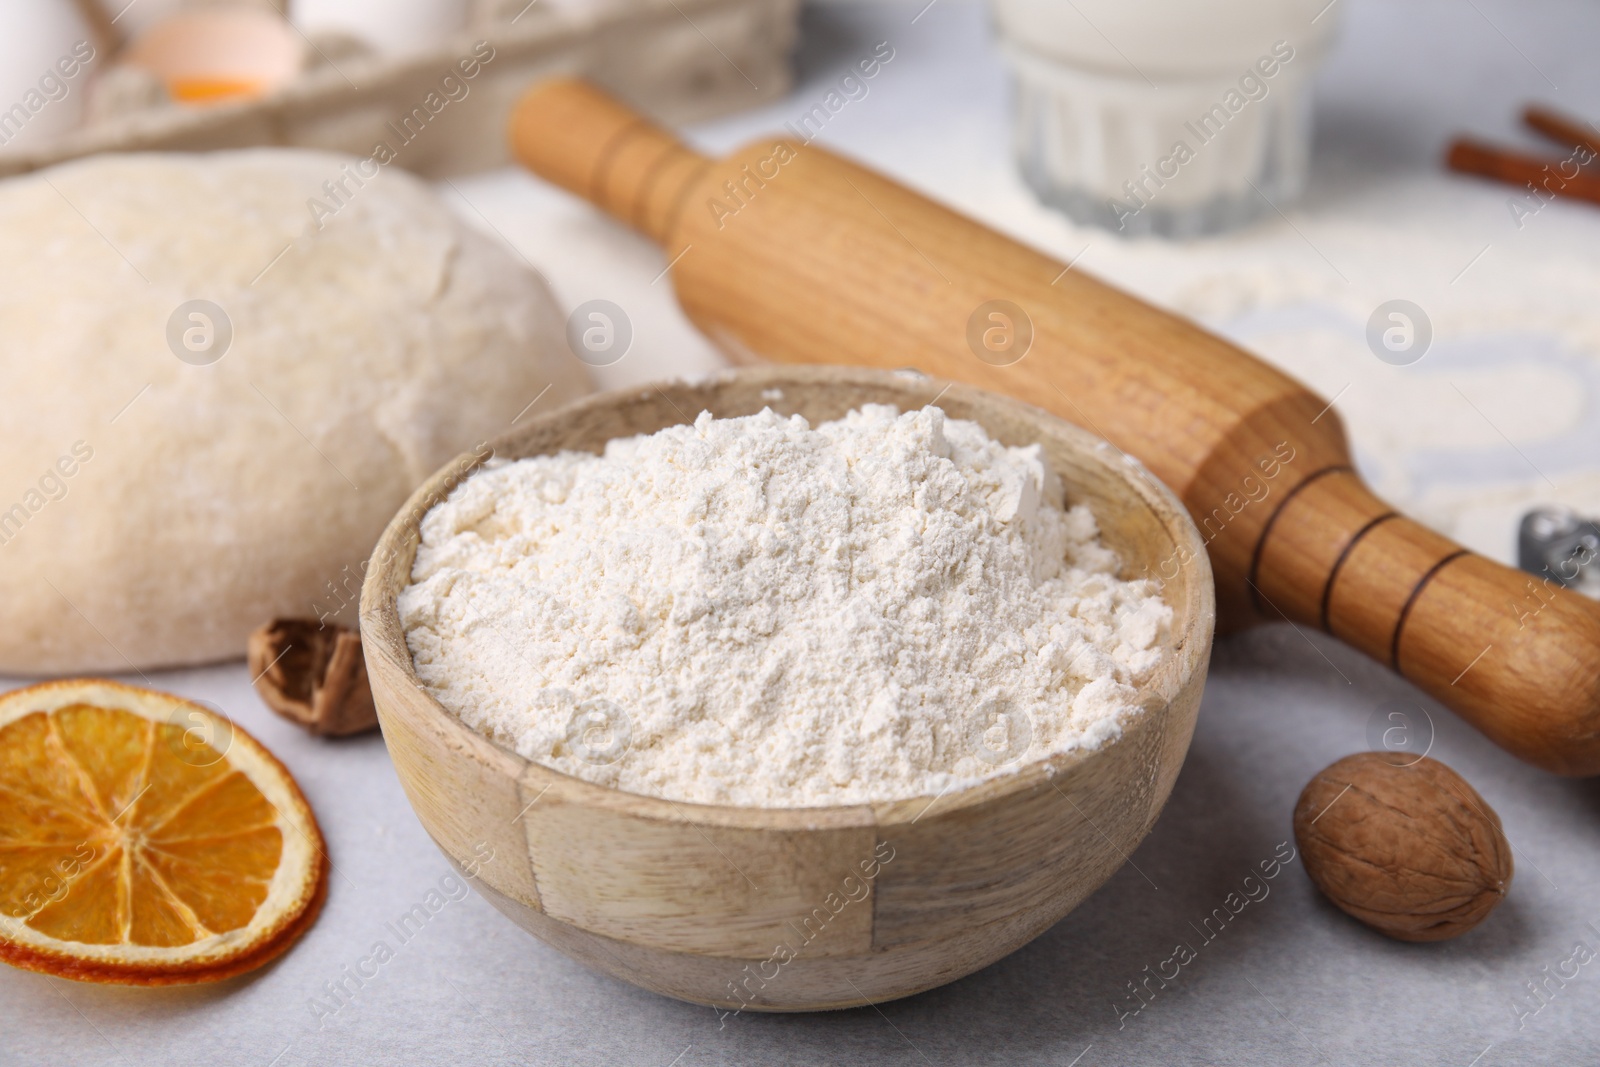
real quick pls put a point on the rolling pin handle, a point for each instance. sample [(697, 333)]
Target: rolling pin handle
[(1514, 656), (572, 134)]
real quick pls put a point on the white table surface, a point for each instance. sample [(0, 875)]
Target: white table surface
[(1500, 414)]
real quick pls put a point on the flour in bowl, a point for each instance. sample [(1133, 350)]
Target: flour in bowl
[(757, 611)]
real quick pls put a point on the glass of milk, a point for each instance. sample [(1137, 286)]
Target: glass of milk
[(1164, 117)]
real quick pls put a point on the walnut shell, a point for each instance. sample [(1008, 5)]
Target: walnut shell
[(314, 674), (1403, 844)]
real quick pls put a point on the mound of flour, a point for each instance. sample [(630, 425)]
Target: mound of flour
[(758, 611)]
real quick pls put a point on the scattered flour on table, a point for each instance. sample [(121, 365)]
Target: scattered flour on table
[(757, 611)]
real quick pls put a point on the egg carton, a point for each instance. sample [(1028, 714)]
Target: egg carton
[(677, 60)]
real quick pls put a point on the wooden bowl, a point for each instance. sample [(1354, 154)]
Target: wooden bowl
[(800, 908)]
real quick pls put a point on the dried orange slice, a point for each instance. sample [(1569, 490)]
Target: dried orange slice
[(146, 840)]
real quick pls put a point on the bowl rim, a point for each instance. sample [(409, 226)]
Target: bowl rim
[(1188, 650)]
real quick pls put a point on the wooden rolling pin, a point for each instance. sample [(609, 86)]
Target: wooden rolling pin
[(783, 251)]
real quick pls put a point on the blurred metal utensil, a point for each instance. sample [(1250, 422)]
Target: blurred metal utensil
[(1559, 543)]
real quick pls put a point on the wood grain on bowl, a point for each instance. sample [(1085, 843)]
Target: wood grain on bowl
[(801, 908)]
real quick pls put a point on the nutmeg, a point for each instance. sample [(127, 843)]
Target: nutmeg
[(1404, 844)]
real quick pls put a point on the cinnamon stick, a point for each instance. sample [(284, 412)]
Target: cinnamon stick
[(1560, 177), (1563, 129)]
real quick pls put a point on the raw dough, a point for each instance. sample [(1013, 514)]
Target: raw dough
[(154, 511)]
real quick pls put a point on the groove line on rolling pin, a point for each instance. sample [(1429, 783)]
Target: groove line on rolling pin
[(1344, 554), (647, 184), (1255, 554), (689, 182), (1405, 612), (606, 156)]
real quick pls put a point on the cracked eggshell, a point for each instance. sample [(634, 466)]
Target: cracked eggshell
[(158, 503), (216, 54)]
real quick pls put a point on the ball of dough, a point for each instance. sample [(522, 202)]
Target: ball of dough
[(157, 502)]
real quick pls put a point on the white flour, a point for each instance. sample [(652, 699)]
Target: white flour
[(755, 611)]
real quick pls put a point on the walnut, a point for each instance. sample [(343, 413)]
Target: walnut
[(313, 673), (1404, 844)]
